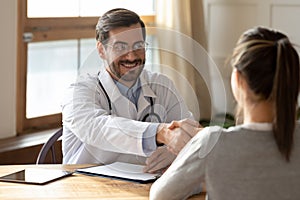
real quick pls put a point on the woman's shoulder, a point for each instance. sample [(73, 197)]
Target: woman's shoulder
[(206, 139), (215, 131)]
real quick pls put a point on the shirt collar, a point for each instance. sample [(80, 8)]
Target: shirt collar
[(258, 126), (125, 91), (110, 88)]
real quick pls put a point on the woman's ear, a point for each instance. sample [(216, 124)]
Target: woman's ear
[(238, 84), (239, 79), (234, 84), (101, 50)]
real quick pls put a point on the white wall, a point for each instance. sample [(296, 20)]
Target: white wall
[(226, 20), (8, 46)]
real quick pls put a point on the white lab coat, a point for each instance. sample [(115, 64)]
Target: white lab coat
[(92, 135)]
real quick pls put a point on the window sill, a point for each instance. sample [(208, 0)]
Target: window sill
[(24, 141)]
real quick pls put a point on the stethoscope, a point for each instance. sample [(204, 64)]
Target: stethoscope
[(148, 115)]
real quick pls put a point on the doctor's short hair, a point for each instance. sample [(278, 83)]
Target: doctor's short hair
[(115, 18)]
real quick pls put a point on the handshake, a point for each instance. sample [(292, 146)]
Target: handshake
[(174, 136)]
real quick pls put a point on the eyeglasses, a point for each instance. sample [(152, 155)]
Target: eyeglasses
[(123, 47)]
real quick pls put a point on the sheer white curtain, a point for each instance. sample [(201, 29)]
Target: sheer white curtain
[(182, 43)]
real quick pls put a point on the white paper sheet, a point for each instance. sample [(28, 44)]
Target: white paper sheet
[(121, 170)]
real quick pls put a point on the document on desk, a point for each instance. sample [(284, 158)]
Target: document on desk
[(120, 170)]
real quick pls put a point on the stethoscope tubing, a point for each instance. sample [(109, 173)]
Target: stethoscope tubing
[(152, 113)]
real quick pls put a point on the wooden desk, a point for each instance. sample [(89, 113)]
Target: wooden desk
[(74, 187)]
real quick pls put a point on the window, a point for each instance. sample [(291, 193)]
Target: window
[(56, 38)]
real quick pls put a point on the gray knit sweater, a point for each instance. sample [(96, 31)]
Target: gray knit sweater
[(242, 162)]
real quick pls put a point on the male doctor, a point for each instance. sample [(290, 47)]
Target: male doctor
[(124, 113)]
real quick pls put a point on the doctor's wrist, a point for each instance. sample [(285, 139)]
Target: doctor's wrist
[(160, 134)]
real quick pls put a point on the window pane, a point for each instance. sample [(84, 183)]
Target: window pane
[(98, 7), (52, 66), (52, 8), (90, 61), (84, 8)]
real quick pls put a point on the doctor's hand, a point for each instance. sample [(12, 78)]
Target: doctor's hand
[(188, 125), (159, 160), (176, 134)]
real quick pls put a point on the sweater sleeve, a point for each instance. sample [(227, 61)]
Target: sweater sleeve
[(184, 177)]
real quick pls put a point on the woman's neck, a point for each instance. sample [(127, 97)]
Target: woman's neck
[(261, 112)]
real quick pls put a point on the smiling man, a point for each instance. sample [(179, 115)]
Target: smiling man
[(126, 59), (124, 112)]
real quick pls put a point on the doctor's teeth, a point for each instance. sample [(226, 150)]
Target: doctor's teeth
[(129, 65)]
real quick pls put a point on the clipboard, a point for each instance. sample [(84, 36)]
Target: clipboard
[(121, 171)]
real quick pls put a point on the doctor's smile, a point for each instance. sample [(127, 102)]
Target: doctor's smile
[(130, 64)]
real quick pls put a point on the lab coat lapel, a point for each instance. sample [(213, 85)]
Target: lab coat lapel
[(121, 105), (143, 101)]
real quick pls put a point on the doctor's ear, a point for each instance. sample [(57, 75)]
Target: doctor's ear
[(101, 50)]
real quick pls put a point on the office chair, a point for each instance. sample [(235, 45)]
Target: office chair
[(49, 146)]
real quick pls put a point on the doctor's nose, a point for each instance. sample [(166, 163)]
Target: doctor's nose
[(131, 55)]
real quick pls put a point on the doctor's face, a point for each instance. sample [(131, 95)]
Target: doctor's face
[(125, 53)]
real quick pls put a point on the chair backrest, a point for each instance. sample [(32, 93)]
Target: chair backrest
[(49, 146)]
